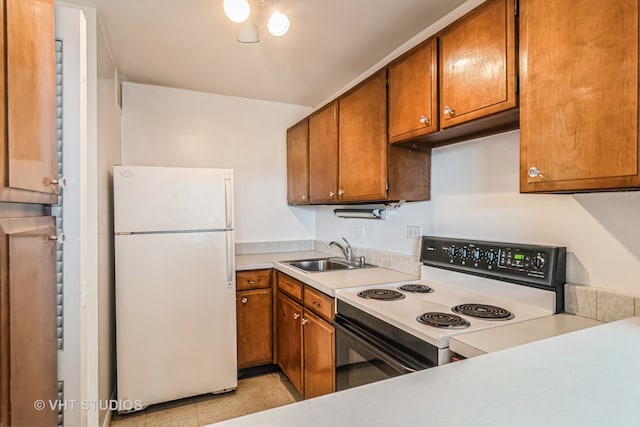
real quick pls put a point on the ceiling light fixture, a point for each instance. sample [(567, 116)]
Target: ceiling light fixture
[(248, 33), (239, 10), (278, 24)]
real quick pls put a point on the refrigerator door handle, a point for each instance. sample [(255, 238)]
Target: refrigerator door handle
[(230, 255), (228, 198)]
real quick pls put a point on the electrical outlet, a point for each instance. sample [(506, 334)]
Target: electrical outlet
[(414, 232)]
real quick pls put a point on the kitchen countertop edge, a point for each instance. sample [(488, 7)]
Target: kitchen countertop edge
[(327, 282), (546, 391)]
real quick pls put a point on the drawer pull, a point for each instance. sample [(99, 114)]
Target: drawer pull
[(253, 282), (316, 304)]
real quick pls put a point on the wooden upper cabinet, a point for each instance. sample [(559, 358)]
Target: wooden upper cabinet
[(323, 155), (477, 62), (579, 95), (298, 164), (413, 86), (363, 141), (28, 159), (27, 321)]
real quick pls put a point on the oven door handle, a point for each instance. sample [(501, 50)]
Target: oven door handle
[(375, 350)]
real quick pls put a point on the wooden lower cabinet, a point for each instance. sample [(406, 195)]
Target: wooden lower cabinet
[(305, 341), (28, 355), (289, 315), (319, 356), (254, 313)]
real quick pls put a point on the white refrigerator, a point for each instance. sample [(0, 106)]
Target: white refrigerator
[(175, 282)]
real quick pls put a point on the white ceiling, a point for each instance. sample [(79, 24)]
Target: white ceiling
[(190, 44)]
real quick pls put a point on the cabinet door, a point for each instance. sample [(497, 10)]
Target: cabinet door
[(323, 155), (31, 160), (319, 356), (254, 319), (478, 64), (579, 95), (363, 142), (413, 94), (289, 330), (28, 321), (298, 164)]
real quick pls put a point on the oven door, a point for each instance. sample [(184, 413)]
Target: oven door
[(363, 358)]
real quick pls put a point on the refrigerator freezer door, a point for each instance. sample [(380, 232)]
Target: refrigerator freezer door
[(175, 316), (149, 199)]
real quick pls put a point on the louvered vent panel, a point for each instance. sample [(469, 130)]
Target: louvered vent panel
[(56, 210)]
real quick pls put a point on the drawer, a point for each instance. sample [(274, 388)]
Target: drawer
[(253, 279), (319, 303), (290, 286)]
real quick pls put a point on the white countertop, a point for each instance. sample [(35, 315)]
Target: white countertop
[(327, 281), (588, 378), (491, 340), (258, 261)]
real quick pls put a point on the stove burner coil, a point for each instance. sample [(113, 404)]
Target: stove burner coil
[(420, 289), (443, 320), (381, 294), (483, 311)]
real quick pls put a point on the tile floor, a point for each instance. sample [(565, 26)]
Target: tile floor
[(252, 395)]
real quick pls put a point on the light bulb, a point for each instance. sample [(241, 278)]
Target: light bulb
[(278, 24), (237, 10)]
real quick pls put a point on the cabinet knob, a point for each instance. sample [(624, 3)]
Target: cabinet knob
[(304, 197), (340, 192), (425, 121), (304, 321), (57, 184), (244, 300), (534, 172), (331, 194), (449, 111), (316, 304), (59, 238), (296, 316)]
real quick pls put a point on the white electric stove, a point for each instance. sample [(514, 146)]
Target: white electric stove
[(467, 286)]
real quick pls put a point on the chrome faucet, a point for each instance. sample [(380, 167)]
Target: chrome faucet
[(346, 250)]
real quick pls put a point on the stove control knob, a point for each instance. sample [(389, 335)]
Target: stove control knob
[(491, 256), (477, 254), (452, 251), (464, 253), (539, 262)]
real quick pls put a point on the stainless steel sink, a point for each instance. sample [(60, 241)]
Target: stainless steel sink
[(325, 264)]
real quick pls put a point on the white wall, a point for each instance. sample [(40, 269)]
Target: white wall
[(109, 147), (71, 30), (173, 127), (475, 189), (389, 235), (475, 195)]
